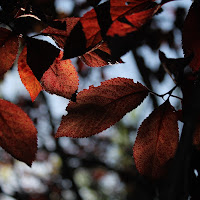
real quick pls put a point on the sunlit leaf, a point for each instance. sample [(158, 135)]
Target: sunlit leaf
[(99, 56), (98, 108), (133, 23), (18, 135), (27, 77), (8, 49), (61, 78)]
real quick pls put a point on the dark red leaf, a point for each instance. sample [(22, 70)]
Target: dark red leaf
[(98, 108), (61, 78), (40, 56), (8, 49), (196, 138), (27, 77), (156, 141), (18, 135), (190, 35)]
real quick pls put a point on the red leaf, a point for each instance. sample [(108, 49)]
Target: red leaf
[(134, 22), (128, 7), (27, 77), (61, 78), (191, 32), (156, 141), (18, 135), (118, 9), (8, 49), (60, 36), (99, 56), (98, 108), (91, 29)]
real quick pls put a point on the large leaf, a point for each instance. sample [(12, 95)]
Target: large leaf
[(156, 141), (190, 35), (27, 77), (98, 108), (8, 49), (61, 78), (18, 135), (40, 56)]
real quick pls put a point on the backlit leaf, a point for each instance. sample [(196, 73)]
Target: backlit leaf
[(91, 28), (156, 141), (61, 78), (99, 56), (8, 49), (128, 7), (98, 108), (190, 35), (27, 77), (134, 22), (18, 135)]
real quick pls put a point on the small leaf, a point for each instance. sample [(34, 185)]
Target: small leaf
[(196, 138), (99, 56), (60, 36), (8, 49), (27, 77), (61, 78), (98, 108), (18, 135), (190, 35), (156, 141), (175, 66), (91, 28), (40, 56), (133, 23), (128, 7)]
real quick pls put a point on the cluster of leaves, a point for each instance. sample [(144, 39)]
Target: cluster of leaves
[(100, 37)]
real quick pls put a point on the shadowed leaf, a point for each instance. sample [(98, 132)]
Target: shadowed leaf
[(156, 141), (190, 35), (40, 56)]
